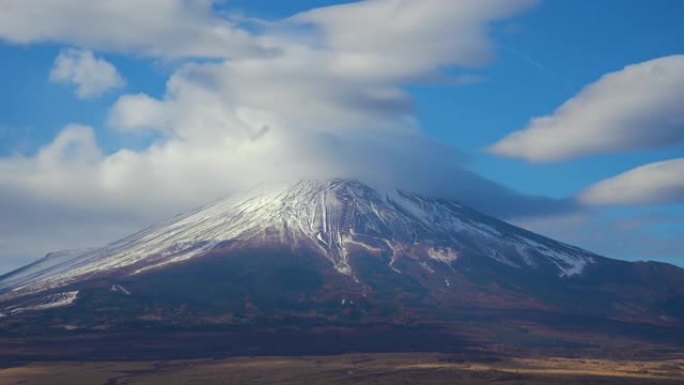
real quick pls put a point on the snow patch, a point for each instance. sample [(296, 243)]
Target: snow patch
[(48, 302), (569, 263), (443, 254), (495, 255), (427, 267), (120, 289), (57, 300)]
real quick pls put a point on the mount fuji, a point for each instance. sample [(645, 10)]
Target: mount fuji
[(352, 266)]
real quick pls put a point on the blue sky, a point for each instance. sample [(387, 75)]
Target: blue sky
[(535, 57)]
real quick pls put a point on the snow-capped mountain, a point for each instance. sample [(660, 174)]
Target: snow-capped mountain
[(328, 216), (388, 267)]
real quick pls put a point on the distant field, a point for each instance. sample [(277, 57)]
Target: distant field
[(403, 369)]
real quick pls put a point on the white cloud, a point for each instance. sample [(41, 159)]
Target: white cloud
[(655, 183), (399, 38), (226, 126), (639, 107), (58, 171), (161, 28), (89, 75)]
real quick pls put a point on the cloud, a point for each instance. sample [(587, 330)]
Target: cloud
[(230, 125), (639, 107), (89, 75), (159, 28), (400, 39), (226, 125), (655, 183)]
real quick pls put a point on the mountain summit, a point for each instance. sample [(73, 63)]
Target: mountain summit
[(339, 252)]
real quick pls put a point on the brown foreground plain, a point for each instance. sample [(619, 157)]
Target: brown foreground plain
[(377, 369)]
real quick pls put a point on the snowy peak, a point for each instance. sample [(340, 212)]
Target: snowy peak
[(331, 217)]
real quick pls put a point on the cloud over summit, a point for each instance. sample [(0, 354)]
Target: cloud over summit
[(290, 102)]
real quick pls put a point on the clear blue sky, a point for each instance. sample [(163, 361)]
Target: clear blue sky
[(541, 57)]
